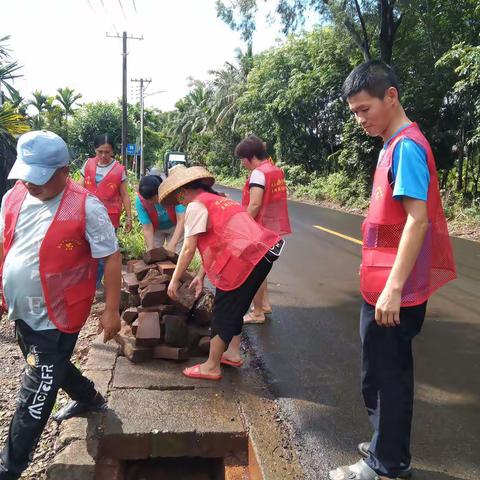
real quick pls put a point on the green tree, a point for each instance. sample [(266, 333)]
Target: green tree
[(12, 123), (67, 97)]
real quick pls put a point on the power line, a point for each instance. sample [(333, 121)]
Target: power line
[(108, 16), (123, 11), (91, 6), (134, 6)]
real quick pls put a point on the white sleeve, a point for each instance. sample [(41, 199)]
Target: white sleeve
[(99, 229), (257, 178)]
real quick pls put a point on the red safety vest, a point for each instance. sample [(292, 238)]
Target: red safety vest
[(153, 215), (273, 213), (233, 244), (108, 190), (67, 269), (383, 228)]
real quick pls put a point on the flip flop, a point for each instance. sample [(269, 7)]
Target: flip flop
[(231, 363), (266, 312), (359, 471), (194, 372), (249, 318)]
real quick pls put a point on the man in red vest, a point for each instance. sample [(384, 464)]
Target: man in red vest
[(237, 254), (265, 198), (53, 231), (406, 257)]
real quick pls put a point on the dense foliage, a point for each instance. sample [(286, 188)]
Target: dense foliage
[(290, 96)]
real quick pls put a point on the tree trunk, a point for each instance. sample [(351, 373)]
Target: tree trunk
[(461, 151), (388, 28)]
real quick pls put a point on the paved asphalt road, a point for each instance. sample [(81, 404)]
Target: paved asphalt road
[(311, 352)]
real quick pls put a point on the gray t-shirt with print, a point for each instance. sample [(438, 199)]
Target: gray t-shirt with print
[(22, 287), (102, 171)]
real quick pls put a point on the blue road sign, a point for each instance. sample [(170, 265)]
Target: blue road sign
[(130, 149)]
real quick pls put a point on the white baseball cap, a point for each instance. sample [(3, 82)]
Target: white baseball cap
[(39, 154)]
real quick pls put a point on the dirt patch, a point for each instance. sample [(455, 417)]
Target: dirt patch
[(11, 368)]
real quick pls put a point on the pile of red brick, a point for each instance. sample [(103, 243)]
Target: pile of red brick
[(154, 325)]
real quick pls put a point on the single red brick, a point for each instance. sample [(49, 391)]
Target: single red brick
[(154, 279), (130, 315), (176, 331), (185, 298), (167, 267), (133, 300), (131, 264), (148, 330), (154, 295), (170, 353), (156, 255), (203, 309)]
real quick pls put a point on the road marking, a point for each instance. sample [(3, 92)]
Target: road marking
[(338, 234)]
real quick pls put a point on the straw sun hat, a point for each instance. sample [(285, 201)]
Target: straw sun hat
[(179, 177)]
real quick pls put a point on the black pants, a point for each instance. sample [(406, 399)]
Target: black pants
[(230, 306), (48, 368), (387, 386)]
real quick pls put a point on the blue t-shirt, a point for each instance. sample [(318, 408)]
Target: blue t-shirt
[(164, 222), (409, 169)]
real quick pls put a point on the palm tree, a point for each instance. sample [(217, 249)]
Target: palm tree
[(229, 84), (40, 102), (193, 113), (7, 69), (67, 98), (11, 122)]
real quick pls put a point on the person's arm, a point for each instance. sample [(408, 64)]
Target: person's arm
[(184, 260), (178, 232), (149, 235), (81, 182), (387, 310), (127, 205), (256, 199), (110, 321)]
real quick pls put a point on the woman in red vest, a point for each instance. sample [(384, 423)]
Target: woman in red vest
[(107, 179), (160, 226), (237, 254), (265, 198)]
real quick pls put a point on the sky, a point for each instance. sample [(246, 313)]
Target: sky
[(63, 43)]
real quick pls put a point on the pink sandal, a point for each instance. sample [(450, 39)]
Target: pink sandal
[(194, 372)]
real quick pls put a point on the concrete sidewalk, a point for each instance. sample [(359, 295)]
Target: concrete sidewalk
[(157, 413)]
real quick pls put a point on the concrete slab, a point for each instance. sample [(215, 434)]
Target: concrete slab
[(201, 423), (157, 375), (101, 356), (75, 462), (101, 379)]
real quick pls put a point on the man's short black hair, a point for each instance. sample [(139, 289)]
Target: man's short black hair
[(374, 76), (148, 186), (250, 147)]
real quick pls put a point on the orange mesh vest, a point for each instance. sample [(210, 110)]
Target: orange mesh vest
[(383, 228), (273, 213), (233, 243), (153, 215), (108, 190), (67, 269)]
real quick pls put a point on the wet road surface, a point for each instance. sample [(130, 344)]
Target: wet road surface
[(310, 348)]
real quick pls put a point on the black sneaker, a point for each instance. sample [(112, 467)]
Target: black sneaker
[(75, 409), (363, 450)]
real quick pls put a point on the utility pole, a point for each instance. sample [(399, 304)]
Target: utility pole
[(124, 37), (142, 82)]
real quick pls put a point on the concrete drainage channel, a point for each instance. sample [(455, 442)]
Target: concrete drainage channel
[(161, 425)]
